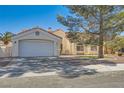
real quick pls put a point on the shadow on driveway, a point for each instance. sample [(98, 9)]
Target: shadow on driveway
[(64, 67)]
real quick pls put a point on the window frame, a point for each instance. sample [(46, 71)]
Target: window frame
[(80, 48), (93, 48)]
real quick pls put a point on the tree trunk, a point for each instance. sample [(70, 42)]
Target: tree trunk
[(101, 53), (101, 35), (106, 49)]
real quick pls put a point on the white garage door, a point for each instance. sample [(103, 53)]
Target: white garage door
[(30, 48)]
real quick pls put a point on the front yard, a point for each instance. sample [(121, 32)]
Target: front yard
[(19, 66), (63, 66)]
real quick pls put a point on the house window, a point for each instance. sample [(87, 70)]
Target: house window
[(80, 48), (93, 48), (37, 33)]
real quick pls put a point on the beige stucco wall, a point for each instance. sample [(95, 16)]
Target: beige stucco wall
[(88, 51), (71, 48), (67, 46)]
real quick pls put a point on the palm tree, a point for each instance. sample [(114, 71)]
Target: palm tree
[(6, 37)]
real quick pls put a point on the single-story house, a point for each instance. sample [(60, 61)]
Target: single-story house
[(39, 42), (36, 42)]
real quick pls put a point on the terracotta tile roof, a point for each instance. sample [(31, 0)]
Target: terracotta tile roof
[(58, 30)]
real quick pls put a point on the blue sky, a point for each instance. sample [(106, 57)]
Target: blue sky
[(18, 18)]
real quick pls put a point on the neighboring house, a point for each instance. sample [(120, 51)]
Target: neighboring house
[(5, 51), (2, 49), (72, 48), (36, 42)]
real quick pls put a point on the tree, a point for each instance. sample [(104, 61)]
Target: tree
[(116, 44), (95, 20), (74, 37), (82, 38), (6, 37)]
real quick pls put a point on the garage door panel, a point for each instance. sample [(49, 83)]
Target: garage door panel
[(30, 48)]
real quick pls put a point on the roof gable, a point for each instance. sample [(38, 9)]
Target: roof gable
[(23, 33)]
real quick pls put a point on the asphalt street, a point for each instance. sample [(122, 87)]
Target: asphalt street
[(98, 80)]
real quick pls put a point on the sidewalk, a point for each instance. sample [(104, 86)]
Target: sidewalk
[(104, 68)]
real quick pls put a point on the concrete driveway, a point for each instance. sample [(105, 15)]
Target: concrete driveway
[(21, 67)]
